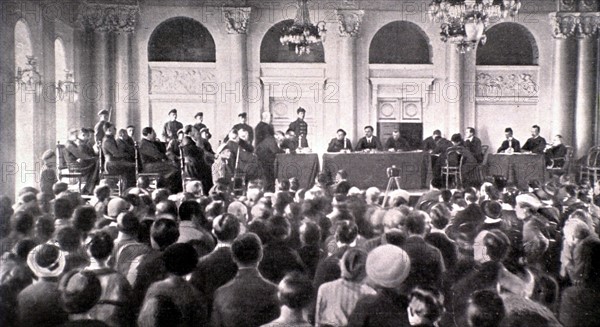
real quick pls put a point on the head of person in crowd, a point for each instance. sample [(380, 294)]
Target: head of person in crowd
[(128, 224), (353, 265), (526, 205), (247, 250), (163, 233), (166, 208), (387, 267), (46, 261), (295, 292), (485, 309), (84, 219), (226, 228), (99, 248), (490, 246), (180, 259), (425, 307), (80, 291)]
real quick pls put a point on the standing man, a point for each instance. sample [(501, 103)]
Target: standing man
[(473, 144), (243, 125), (510, 144), (536, 143), (369, 141), (199, 117), (99, 128), (171, 127), (396, 142), (264, 128), (300, 128)]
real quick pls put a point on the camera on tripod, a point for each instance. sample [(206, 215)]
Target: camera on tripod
[(392, 171)]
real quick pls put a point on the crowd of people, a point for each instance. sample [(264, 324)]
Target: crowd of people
[(330, 255)]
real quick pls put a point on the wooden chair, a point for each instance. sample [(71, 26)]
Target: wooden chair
[(66, 170), (481, 168), (591, 168), (184, 179), (115, 182), (139, 169), (556, 168), (452, 167)]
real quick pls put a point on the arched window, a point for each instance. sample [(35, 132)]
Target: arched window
[(181, 39), (508, 44), (24, 106), (271, 49), (400, 42), (62, 101)]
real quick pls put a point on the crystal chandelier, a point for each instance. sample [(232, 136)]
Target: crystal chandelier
[(463, 22), (303, 33)]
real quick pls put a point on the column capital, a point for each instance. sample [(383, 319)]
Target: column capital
[(575, 24), (236, 19), (104, 17), (349, 21)]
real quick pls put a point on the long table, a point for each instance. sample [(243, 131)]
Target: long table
[(369, 169), (517, 168), (304, 166)]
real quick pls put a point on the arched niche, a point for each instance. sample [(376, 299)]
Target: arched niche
[(181, 39), (26, 96), (272, 51), (400, 42), (508, 44)]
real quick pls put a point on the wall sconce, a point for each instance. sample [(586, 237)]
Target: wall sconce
[(67, 87), (29, 76)]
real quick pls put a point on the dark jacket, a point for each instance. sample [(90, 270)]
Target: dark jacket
[(426, 264), (186, 298), (336, 145), (329, 269), (535, 145), (446, 246), (386, 308), (399, 144), (363, 144), (278, 260), (515, 145), (35, 312), (474, 146), (247, 300), (579, 307), (262, 131)]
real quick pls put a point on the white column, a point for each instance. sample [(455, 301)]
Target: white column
[(348, 27), (236, 24), (122, 88), (101, 77), (453, 90)]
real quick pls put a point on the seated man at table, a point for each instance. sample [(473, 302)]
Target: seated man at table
[(469, 163), (340, 143), (154, 158), (369, 142), (555, 153), (473, 143), (510, 144), (430, 143), (290, 143), (396, 142), (536, 143)]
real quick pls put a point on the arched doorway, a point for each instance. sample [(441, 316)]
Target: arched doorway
[(182, 72), (26, 96)]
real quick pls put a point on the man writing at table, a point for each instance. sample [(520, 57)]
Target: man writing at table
[(536, 143), (369, 141), (510, 144), (396, 142), (340, 143)]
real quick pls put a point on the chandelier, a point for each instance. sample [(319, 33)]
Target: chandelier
[(463, 22), (302, 34), (67, 87), (29, 76)]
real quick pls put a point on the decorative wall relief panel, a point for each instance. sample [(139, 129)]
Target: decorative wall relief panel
[(507, 84), (192, 78)]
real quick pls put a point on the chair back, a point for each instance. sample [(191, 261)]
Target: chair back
[(593, 158), (138, 166), (61, 161), (454, 159), (485, 149)]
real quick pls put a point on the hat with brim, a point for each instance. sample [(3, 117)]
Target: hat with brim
[(103, 112), (48, 154), (529, 200), (46, 260)]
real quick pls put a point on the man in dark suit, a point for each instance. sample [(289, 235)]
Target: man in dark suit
[(300, 128), (556, 153), (243, 125), (154, 158), (510, 144), (264, 128), (340, 142), (536, 143), (217, 268), (99, 128), (290, 143), (116, 159), (369, 141), (455, 153), (171, 127), (248, 299), (426, 262), (396, 142), (266, 153), (125, 143), (473, 144), (80, 159), (467, 219), (329, 269), (430, 143)]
